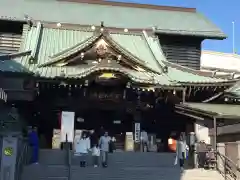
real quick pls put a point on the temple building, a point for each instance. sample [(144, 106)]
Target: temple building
[(112, 64)]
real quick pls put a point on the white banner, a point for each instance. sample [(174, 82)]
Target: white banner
[(67, 126), (137, 133)]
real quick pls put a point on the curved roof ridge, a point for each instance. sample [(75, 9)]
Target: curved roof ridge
[(62, 54), (189, 70), (134, 5)]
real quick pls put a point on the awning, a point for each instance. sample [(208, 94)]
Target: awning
[(221, 111), (3, 95)]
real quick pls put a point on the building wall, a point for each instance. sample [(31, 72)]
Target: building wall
[(202, 131), (223, 63), (182, 50)]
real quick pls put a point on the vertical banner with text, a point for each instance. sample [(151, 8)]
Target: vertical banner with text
[(137, 133), (67, 126)]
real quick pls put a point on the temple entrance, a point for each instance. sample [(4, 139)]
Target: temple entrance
[(105, 102), (111, 121)]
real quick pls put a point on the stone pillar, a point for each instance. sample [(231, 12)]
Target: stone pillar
[(221, 161), (9, 151)]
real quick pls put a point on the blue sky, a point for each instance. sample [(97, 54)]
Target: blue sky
[(220, 12)]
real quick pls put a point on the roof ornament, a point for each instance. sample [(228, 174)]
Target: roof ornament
[(214, 73), (119, 57), (28, 20), (82, 55), (59, 25), (102, 26), (165, 69), (101, 48), (154, 28)]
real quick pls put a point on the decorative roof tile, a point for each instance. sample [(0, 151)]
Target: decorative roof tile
[(165, 21)]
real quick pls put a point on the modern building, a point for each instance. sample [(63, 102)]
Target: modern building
[(221, 64)]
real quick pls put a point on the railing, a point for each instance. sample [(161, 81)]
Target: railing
[(23, 159), (227, 167), (69, 157)]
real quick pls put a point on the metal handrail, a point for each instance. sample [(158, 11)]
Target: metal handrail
[(69, 158), (69, 163), (230, 169)]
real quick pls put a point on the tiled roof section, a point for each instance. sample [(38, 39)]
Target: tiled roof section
[(234, 90), (179, 73), (69, 51), (173, 22), (214, 110), (143, 46), (118, 42)]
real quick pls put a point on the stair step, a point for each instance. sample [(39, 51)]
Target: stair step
[(38, 170), (122, 165)]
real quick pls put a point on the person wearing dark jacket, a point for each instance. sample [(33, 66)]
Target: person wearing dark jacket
[(34, 143), (201, 151)]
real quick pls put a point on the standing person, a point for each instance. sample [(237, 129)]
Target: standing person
[(34, 143), (181, 152), (104, 146), (144, 138), (95, 154), (82, 148), (93, 138), (201, 151)]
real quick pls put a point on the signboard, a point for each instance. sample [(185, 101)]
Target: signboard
[(67, 126), (113, 96), (129, 142), (56, 139), (117, 122), (8, 158), (137, 133)]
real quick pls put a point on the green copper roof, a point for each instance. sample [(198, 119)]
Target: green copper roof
[(234, 90), (146, 48), (227, 111), (165, 21)]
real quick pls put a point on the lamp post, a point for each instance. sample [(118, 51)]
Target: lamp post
[(233, 37)]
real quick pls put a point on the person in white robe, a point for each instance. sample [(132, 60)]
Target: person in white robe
[(82, 148), (181, 152)]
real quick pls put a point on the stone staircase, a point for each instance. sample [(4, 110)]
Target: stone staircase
[(122, 165)]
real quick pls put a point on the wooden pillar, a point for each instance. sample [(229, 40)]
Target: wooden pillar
[(184, 95)]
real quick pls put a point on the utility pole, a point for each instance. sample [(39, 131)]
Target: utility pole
[(233, 37)]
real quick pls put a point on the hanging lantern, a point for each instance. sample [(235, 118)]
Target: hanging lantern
[(128, 85), (86, 83), (174, 92)]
